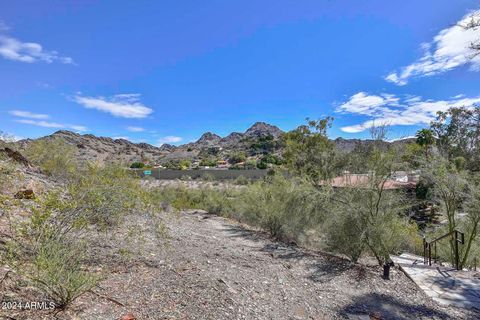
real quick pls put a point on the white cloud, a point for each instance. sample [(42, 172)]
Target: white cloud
[(120, 105), (135, 129), (28, 114), (29, 52), (168, 139), (362, 103), (450, 48), (47, 124), (395, 111)]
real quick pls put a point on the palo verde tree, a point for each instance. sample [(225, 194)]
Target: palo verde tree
[(368, 211)]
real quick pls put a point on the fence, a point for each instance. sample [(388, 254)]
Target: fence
[(165, 174)]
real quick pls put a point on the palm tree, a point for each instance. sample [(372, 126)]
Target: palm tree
[(425, 139)]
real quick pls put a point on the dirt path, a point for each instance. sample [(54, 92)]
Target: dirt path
[(212, 268)]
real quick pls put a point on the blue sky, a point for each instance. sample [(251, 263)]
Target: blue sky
[(167, 71)]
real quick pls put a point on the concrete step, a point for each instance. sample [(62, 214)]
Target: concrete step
[(443, 284)]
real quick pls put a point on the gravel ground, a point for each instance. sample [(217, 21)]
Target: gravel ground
[(214, 268)]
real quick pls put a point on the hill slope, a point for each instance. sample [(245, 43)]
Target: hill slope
[(260, 138)]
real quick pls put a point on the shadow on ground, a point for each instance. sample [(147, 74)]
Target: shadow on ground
[(380, 306)]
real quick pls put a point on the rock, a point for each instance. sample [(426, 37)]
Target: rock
[(25, 194), (16, 156), (128, 316)]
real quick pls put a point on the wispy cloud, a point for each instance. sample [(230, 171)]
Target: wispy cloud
[(48, 124), (135, 129), (391, 110), (450, 48), (28, 114), (168, 139), (120, 105), (29, 52)]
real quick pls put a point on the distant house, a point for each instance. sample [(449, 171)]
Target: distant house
[(222, 164)]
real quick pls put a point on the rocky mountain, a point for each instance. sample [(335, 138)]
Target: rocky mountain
[(104, 149), (260, 137)]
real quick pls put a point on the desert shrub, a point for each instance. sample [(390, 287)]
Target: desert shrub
[(48, 250), (137, 165), (368, 217), (185, 177), (105, 195), (208, 162), (250, 164), (216, 201), (55, 157), (50, 247), (262, 165), (284, 207), (241, 180), (237, 157), (208, 177), (58, 271)]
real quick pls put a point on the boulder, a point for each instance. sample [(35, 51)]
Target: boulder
[(16, 156), (25, 194)]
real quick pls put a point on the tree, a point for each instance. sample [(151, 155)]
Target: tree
[(308, 151), (425, 139), (137, 165), (450, 188), (458, 135), (474, 24), (237, 157), (473, 223), (367, 215)]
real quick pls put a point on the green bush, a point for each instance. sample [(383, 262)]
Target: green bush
[(58, 271), (208, 162), (262, 165), (237, 157), (50, 248), (284, 207), (137, 165), (54, 156), (208, 177), (241, 181)]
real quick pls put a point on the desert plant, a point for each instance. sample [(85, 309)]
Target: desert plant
[(58, 271), (55, 157), (241, 181), (137, 165), (208, 177)]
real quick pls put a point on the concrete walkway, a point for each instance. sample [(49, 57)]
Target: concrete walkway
[(444, 285)]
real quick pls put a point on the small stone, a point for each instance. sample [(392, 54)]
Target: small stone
[(128, 316)]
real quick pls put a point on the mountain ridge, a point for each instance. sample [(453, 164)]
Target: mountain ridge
[(260, 135)]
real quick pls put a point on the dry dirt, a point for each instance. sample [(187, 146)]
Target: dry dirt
[(213, 268)]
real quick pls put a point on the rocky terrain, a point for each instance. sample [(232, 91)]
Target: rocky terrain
[(202, 266), (259, 138), (213, 268)]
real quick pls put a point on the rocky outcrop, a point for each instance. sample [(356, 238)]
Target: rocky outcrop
[(15, 156), (25, 194), (262, 129)]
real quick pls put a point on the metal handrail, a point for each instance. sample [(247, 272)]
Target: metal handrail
[(427, 247)]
